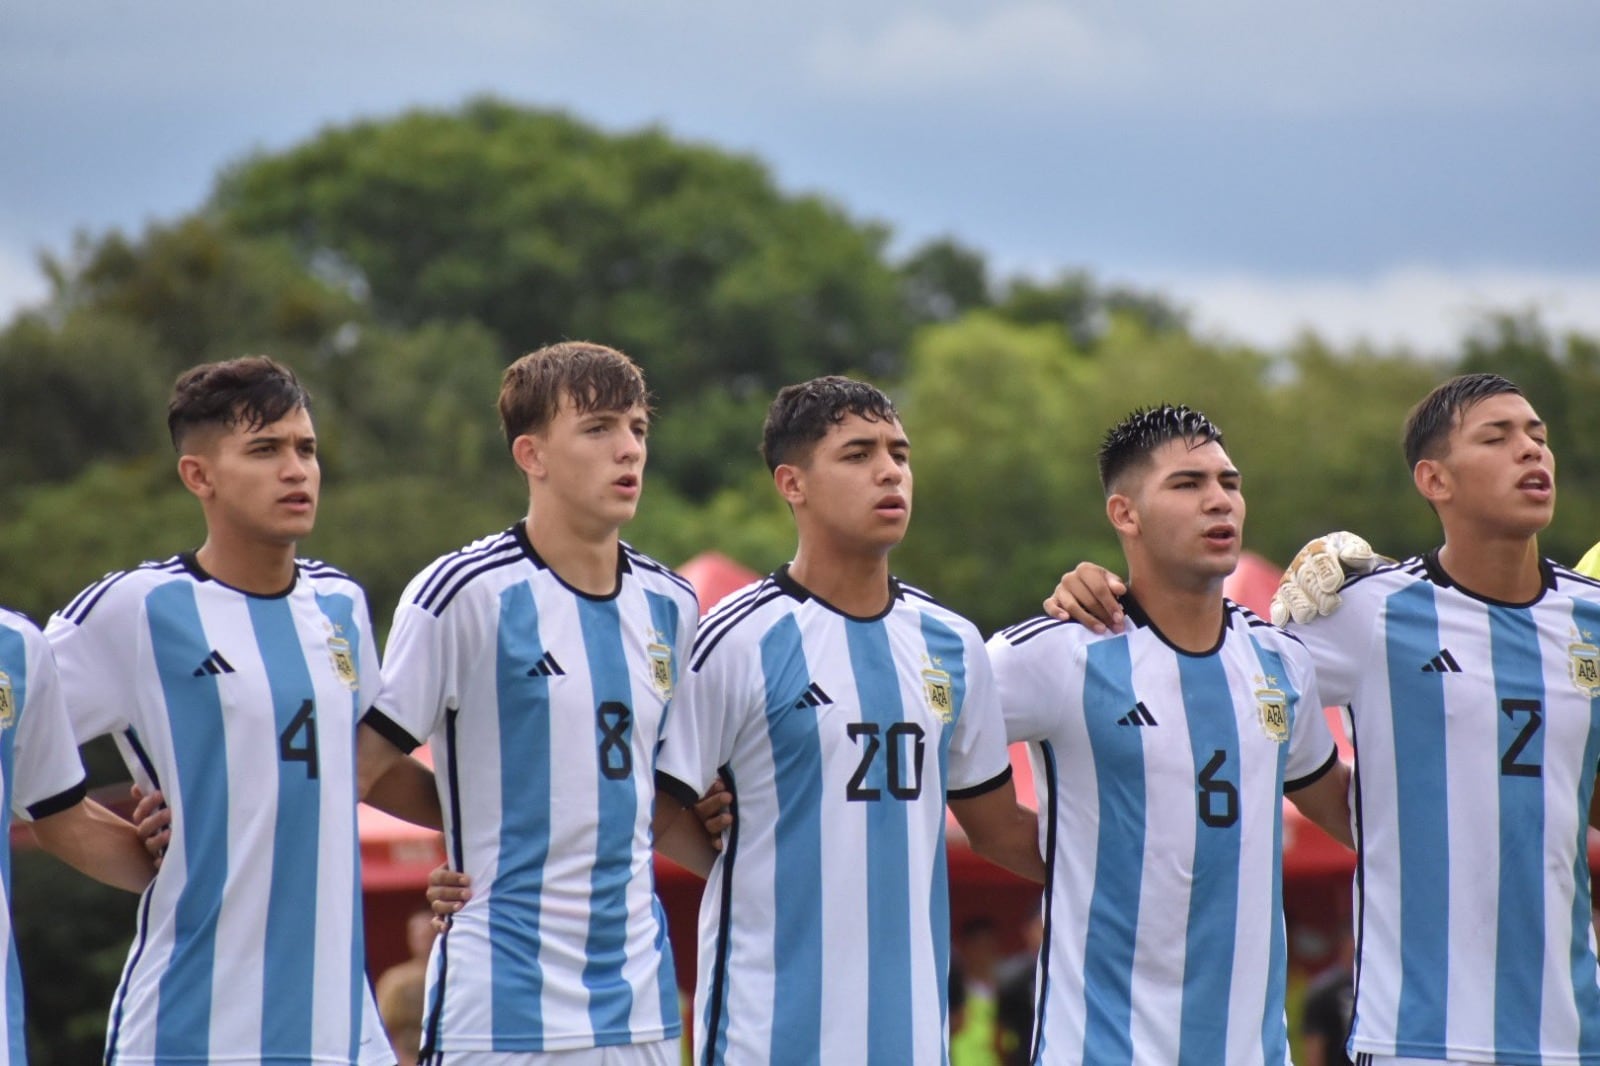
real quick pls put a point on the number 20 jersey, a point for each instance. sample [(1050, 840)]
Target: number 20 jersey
[(544, 706), (1477, 734), (1160, 777), (825, 926), (242, 709)]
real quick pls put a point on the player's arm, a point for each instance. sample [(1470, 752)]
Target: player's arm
[(1001, 829), (677, 828), (391, 780), (96, 842), (1087, 594), (1594, 809), (1326, 801)]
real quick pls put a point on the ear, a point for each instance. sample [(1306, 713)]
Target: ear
[(195, 473), (1124, 518), (1433, 480), (790, 481), (528, 451)]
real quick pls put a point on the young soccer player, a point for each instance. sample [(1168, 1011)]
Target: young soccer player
[(1162, 756), (233, 677), (1471, 675), (542, 662), (42, 781), (842, 708)]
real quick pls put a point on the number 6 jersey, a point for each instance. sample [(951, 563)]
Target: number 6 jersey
[(242, 710), (825, 926)]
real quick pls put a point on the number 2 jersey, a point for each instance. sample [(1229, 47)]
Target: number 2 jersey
[(825, 926), (544, 705), (242, 710), (1477, 734), (1160, 777)]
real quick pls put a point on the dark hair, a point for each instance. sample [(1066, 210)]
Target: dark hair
[(1428, 425), (802, 414), (592, 376), (1129, 443), (252, 392)]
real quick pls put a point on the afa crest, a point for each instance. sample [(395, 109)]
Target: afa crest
[(8, 705), (660, 668), (1584, 664), (1272, 709), (344, 664), (936, 689)]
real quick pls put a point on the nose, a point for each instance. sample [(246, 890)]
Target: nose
[(1218, 499), (1529, 448), (629, 447)]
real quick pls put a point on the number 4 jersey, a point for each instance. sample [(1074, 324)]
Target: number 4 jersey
[(1477, 735), (825, 927), (1160, 776), (544, 705), (242, 709)]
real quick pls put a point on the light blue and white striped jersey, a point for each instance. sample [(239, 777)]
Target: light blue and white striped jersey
[(544, 707), (242, 709), (1477, 734), (825, 925), (40, 775), (1160, 777)]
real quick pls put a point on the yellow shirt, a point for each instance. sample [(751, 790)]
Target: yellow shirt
[(1589, 565)]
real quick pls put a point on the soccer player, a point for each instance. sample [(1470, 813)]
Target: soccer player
[(542, 661), (1161, 757), (233, 677), (1589, 565), (842, 708), (1471, 677), (43, 782)]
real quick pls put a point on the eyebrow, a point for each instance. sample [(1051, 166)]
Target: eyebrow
[(869, 442), (1507, 423), (1201, 474)]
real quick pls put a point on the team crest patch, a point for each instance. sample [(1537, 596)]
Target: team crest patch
[(660, 668), (8, 706), (1584, 663), (1272, 708), (936, 689), (344, 664)]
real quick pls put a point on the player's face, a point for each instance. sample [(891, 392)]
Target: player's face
[(262, 484), (1190, 512), (856, 485), (1499, 472), (592, 463)]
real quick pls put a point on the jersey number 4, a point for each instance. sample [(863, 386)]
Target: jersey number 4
[(298, 741), (905, 744)]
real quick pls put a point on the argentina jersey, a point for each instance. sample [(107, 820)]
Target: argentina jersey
[(40, 776), (825, 926), (1476, 727), (544, 707), (242, 710), (1160, 777)]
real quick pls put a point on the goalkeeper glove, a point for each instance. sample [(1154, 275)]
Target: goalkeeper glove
[(1310, 585)]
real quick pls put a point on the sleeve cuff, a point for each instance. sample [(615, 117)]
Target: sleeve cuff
[(979, 789), (59, 802), (390, 730), (1314, 776), (684, 794)]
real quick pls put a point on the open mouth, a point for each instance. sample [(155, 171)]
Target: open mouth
[(1538, 483), (1222, 535), (891, 505)]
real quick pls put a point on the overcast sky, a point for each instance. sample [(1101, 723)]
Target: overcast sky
[(1368, 168)]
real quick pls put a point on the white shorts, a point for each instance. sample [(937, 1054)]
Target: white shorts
[(655, 1053)]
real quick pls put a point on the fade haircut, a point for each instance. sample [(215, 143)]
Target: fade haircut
[(250, 392), (1129, 444), (590, 376), (1428, 425), (802, 414)]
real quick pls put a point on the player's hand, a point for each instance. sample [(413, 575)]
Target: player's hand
[(153, 818), (448, 892), (715, 811), (1087, 594), (1311, 582)]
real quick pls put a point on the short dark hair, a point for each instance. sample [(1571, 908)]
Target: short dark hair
[(1428, 424), (592, 376), (252, 391), (1129, 443), (802, 414)]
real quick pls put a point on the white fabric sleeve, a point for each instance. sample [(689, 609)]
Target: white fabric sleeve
[(1032, 683), (1310, 742), (421, 679), (1339, 644), (711, 706), (47, 773), (978, 745), (95, 664)]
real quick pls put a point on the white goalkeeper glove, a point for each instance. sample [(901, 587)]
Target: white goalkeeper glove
[(1310, 585)]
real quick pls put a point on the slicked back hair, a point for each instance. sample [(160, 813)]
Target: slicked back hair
[(1130, 443), (590, 376), (802, 414), (1428, 425), (252, 392)]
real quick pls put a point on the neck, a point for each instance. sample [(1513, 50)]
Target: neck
[(1501, 568), (254, 567), (1188, 614), (855, 584), (587, 561)]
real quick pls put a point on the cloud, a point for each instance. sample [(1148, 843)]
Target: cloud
[(21, 283)]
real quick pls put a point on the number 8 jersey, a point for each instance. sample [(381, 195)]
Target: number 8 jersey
[(242, 709), (544, 705), (825, 926)]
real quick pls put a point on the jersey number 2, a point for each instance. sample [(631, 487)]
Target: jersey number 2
[(895, 738), (1509, 764)]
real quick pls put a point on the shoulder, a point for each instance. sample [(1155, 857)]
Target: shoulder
[(1243, 620), (18, 622), (922, 602), (1575, 584), (741, 618), (120, 589), (439, 583), (329, 579), (658, 577), (1383, 580)]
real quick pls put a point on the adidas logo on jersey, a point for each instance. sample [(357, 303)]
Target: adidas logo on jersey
[(814, 697), (546, 667), (1443, 663), (1140, 715), (213, 664)]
